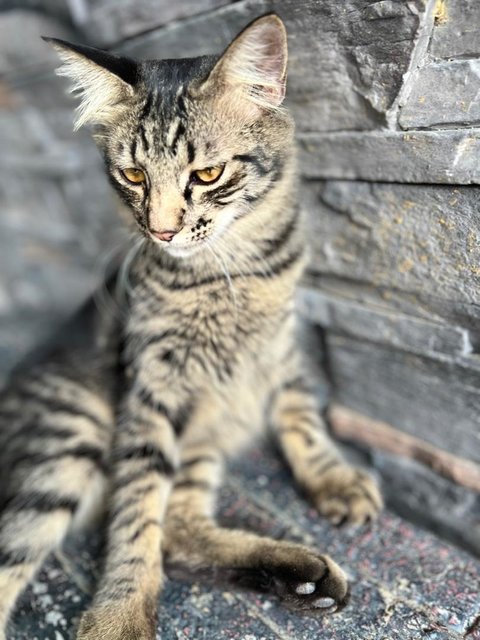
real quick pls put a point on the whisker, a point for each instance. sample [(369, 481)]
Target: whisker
[(104, 300), (221, 261)]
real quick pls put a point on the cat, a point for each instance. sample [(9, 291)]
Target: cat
[(204, 357)]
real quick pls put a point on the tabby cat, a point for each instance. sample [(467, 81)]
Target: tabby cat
[(204, 357)]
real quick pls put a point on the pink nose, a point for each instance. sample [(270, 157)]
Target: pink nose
[(166, 236)]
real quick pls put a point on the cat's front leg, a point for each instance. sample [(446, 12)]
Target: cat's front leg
[(340, 491), (302, 578), (144, 462)]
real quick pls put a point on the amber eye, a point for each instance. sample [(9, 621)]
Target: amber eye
[(133, 175), (209, 174)]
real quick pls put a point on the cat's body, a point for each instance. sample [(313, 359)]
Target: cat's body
[(204, 359)]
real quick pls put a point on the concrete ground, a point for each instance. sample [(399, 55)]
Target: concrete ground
[(406, 583)]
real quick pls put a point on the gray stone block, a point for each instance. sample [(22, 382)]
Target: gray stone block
[(420, 494), (443, 93), (58, 220), (457, 32), (425, 157), (110, 21), (416, 247), (382, 325), (345, 67), (22, 50), (435, 399)]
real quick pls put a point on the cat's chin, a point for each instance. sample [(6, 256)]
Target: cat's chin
[(183, 251)]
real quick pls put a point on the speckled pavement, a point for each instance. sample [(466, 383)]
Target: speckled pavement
[(405, 582)]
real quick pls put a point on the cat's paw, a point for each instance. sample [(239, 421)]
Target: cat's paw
[(112, 623), (303, 579), (345, 494)]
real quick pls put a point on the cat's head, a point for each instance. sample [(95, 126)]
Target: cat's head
[(194, 144)]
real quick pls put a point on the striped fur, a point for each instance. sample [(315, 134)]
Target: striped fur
[(204, 358)]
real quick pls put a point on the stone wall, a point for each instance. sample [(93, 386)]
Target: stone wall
[(385, 96)]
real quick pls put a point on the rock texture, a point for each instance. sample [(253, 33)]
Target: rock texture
[(418, 157), (345, 65), (457, 102), (58, 222)]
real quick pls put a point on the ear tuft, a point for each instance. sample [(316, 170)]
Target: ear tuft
[(256, 61), (101, 80)]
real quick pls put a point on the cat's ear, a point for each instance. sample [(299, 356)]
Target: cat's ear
[(256, 63), (101, 80)]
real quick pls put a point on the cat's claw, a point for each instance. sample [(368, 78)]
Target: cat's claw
[(325, 603), (305, 589)]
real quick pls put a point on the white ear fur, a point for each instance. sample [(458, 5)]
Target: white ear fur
[(100, 91), (256, 61)]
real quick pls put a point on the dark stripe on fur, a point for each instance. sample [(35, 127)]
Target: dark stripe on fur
[(133, 150), (142, 528), (178, 134), (54, 404), (147, 107), (146, 398), (143, 136), (82, 451), (13, 558), (193, 484), (249, 158), (302, 432), (327, 466), (191, 462), (127, 520), (43, 502), (157, 460), (177, 420), (277, 243), (276, 269), (190, 152), (33, 430), (225, 190)]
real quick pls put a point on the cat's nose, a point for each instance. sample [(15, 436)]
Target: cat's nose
[(166, 236)]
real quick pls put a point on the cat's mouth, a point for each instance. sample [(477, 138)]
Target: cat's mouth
[(176, 247), (184, 250)]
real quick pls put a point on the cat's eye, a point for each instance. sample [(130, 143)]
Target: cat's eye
[(134, 175), (209, 174)]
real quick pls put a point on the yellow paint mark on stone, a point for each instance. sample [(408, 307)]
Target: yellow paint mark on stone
[(472, 242), (422, 99), (406, 266), (440, 15), (448, 224), (472, 268), (408, 204)]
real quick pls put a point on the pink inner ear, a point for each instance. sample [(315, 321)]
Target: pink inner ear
[(271, 61), (271, 40), (252, 71)]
